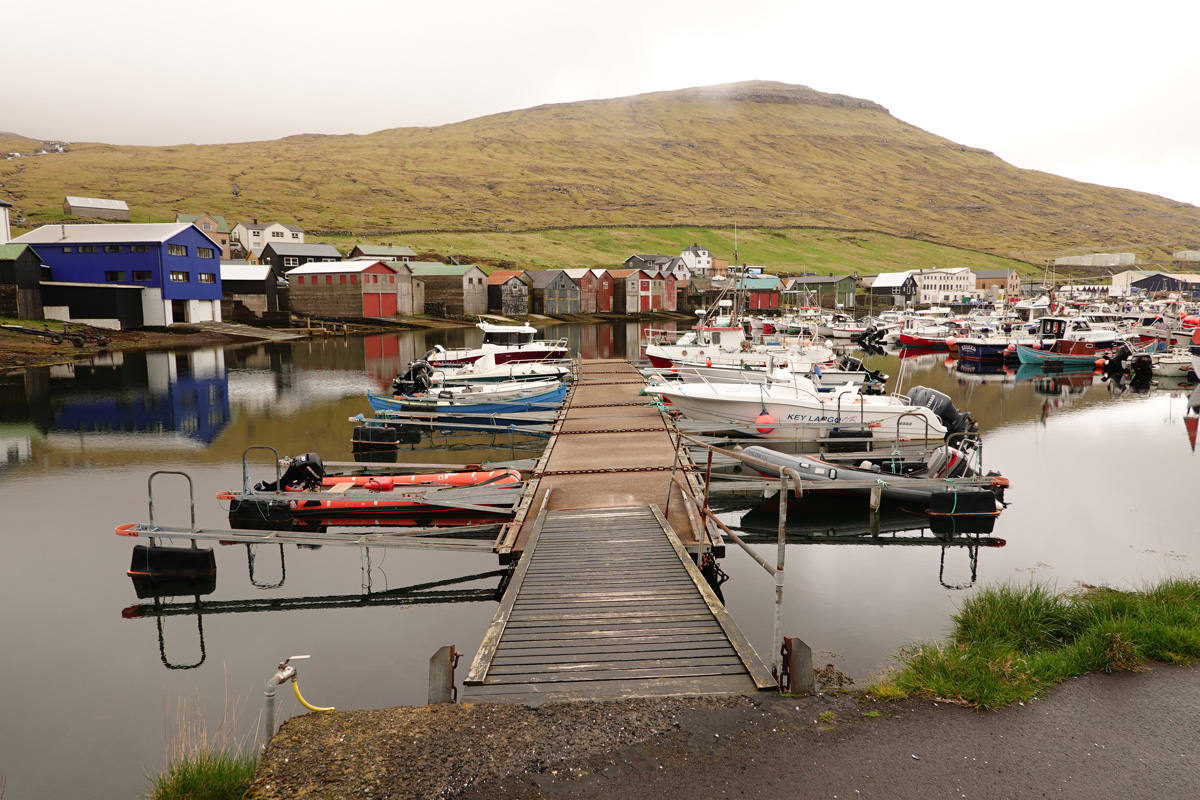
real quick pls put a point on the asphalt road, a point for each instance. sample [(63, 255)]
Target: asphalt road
[(1127, 735)]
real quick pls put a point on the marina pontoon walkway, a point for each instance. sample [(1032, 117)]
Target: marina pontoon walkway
[(606, 604), (606, 601)]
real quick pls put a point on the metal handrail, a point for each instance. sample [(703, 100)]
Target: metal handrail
[(191, 496), (246, 468), (912, 414)]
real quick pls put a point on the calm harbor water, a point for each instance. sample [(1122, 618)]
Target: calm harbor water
[(96, 685)]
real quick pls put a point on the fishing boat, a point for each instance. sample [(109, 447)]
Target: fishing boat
[(1067, 342), (720, 340), (898, 481), (800, 408), (506, 343), (498, 399), (305, 498)]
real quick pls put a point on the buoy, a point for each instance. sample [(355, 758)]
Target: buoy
[(708, 363), (1037, 345), (1101, 362), (951, 341), (1012, 348), (765, 422)]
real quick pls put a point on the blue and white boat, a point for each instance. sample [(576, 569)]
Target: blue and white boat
[(500, 399)]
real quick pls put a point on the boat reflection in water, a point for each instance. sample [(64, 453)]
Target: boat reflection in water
[(888, 528), (179, 594)]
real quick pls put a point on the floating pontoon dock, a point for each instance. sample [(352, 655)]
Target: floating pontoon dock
[(606, 601)]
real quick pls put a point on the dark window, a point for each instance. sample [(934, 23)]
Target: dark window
[(177, 249), (114, 275), (204, 252), (139, 248), (112, 248), (141, 274), (87, 248), (68, 249)]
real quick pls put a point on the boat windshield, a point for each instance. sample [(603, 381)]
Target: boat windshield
[(508, 338)]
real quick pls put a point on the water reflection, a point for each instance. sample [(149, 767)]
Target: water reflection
[(164, 595), (837, 525), (117, 398)]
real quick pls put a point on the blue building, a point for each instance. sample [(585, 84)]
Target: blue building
[(174, 269)]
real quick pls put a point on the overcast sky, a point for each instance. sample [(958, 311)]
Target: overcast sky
[(1101, 91)]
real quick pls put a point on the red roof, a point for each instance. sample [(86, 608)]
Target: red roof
[(501, 275)]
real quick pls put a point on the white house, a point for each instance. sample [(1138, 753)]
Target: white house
[(945, 285), (678, 269), (255, 236), (698, 261)]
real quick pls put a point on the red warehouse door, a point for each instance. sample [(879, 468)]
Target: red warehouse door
[(388, 304), (371, 305)]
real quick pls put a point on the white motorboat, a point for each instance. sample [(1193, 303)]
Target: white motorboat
[(841, 326), (800, 408), (481, 371), (507, 343), (1177, 362), (816, 363)]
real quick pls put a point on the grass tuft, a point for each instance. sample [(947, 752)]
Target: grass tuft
[(205, 776), (1009, 643), (204, 765)]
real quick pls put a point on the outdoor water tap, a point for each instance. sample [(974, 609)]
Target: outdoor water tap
[(285, 673)]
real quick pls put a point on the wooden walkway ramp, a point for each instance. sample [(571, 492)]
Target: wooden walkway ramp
[(607, 604)]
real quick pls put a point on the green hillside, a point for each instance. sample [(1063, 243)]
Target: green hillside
[(762, 155), (791, 250)]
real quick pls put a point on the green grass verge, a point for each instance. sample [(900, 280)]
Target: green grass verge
[(1010, 643), (205, 776)]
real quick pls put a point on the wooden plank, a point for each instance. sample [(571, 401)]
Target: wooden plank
[(545, 659), (735, 667)]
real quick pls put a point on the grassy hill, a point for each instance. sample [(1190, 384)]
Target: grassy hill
[(566, 184), (783, 250)]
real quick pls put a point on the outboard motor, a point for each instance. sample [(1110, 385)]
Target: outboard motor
[(872, 336), (1114, 365), (943, 407), (304, 472), (1141, 373), (416, 380)]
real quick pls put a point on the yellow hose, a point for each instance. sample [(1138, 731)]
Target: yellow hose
[(303, 702)]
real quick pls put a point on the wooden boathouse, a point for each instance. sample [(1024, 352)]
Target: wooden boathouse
[(606, 600)]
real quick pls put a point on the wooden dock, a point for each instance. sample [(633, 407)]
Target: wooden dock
[(607, 604), (606, 601)]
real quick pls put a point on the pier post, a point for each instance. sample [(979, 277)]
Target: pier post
[(777, 639), (441, 676), (801, 679)]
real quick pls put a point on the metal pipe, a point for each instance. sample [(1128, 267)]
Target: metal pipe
[(781, 552), (284, 673), (710, 515)]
